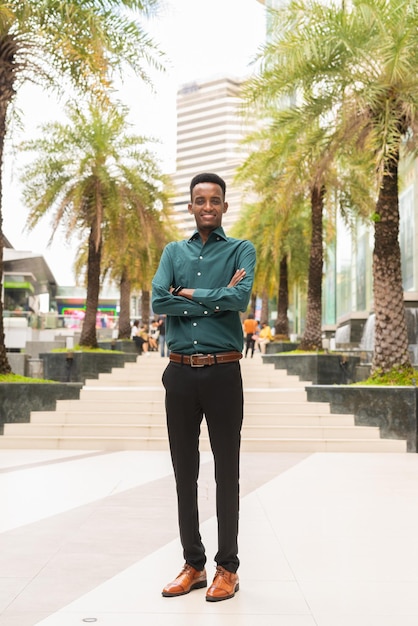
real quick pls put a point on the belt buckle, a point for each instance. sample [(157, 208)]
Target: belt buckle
[(192, 364)]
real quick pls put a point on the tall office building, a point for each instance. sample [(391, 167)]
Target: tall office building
[(210, 127)]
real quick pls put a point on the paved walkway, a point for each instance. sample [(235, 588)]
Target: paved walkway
[(326, 540), (91, 537)]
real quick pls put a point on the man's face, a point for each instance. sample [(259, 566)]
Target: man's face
[(207, 206)]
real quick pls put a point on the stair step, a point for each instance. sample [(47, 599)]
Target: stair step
[(158, 417), (248, 445), (148, 394), (115, 408), (260, 383), (324, 445), (159, 430), (124, 410)]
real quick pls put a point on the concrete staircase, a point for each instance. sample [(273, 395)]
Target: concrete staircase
[(124, 410)]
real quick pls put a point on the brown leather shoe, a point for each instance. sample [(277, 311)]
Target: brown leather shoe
[(224, 585), (188, 579)]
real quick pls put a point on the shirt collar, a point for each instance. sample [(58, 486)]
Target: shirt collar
[(219, 232)]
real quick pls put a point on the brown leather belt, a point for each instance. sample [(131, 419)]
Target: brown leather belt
[(200, 360)]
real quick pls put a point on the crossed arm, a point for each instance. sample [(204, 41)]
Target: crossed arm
[(188, 293)]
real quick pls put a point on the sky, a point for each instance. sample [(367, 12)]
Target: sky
[(202, 39)]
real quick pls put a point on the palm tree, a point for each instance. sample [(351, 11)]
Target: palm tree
[(133, 242), (91, 174), (270, 222), (67, 42), (281, 243), (293, 165), (354, 72)]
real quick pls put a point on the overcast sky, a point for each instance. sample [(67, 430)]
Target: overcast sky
[(202, 38)]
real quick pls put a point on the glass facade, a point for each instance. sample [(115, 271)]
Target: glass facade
[(407, 238), (349, 281), (329, 299), (343, 265)]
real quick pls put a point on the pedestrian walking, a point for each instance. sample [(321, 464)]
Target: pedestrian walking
[(250, 327)]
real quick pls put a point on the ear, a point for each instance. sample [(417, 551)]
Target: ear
[(189, 208), (225, 207)]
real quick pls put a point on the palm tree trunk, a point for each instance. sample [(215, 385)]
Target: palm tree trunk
[(264, 316), (391, 335), (253, 303), (7, 92), (312, 337), (125, 307), (282, 322), (88, 332), (145, 302)]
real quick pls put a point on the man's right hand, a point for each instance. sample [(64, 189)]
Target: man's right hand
[(237, 277)]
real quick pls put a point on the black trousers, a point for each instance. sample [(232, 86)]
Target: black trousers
[(216, 392)]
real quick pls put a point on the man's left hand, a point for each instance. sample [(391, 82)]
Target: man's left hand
[(237, 277)]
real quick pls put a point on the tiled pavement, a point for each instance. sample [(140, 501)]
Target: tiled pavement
[(325, 540)]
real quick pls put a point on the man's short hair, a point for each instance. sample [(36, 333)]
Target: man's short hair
[(207, 177)]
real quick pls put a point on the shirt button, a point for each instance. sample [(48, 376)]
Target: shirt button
[(195, 342), (199, 273), (217, 308), (194, 323), (185, 312), (205, 312), (200, 257)]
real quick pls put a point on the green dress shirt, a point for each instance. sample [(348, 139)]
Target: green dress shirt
[(209, 323)]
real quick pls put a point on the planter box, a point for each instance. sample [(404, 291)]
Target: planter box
[(392, 409), (79, 366), (275, 347), (321, 369), (34, 348), (126, 345), (18, 361), (17, 400)]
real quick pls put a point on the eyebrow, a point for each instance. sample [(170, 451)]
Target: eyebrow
[(215, 196)]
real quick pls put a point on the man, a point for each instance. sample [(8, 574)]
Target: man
[(201, 285)]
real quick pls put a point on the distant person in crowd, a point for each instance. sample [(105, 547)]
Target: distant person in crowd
[(264, 337), (140, 337), (154, 333), (250, 327), (144, 335), (161, 338)]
